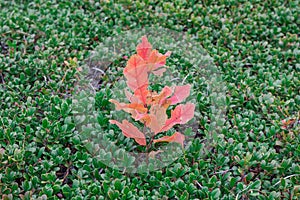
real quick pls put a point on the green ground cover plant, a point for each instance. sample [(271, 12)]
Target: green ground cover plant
[(255, 45)]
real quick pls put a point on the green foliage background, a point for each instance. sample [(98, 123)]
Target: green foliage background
[(255, 44)]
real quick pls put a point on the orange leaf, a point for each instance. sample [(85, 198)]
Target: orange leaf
[(158, 118), (180, 94), (176, 137), (143, 117), (134, 109), (130, 131), (137, 76), (180, 115), (144, 49), (160, 98), (156, 61), (287, 123), (135, 106)]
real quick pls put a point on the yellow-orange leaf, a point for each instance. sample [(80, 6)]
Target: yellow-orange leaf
[(135, 109), (161, 97), (135, 106), (156, 60), (158, 118)]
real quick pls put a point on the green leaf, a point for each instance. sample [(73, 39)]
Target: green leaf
[(45, 123), (26, 185), (256, 185), (118, 185), (215, 194), (66, 191)]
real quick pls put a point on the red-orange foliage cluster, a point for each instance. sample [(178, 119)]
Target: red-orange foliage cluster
[(150, 107)]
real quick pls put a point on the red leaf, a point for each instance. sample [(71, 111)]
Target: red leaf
[(144, 49), (176, 137), (130, 131), (152, 58), (159, 72), (131, 97), (142, 93), (168, 53), (137, 76), (180, 115), (180, 94)]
